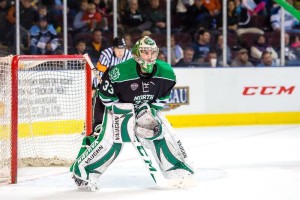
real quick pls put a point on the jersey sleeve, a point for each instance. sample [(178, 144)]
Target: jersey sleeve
[(103, 59), (107, 92), (168, 77)]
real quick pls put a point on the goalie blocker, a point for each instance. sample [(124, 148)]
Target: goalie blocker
[(149, 133)]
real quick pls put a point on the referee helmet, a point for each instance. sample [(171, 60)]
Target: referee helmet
[(119, 43)]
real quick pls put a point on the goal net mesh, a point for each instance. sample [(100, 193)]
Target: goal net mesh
[(5, 118), (51, 112)]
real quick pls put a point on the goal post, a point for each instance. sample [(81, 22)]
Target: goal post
[(45, 105)]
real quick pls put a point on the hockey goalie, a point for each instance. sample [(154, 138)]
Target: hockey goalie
[(134, 92)]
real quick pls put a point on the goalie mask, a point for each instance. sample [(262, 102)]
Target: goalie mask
[(145, 53)]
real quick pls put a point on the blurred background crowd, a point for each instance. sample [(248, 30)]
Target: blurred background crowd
[(253, 29)]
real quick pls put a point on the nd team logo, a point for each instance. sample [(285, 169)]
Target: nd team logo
[(179, 96)]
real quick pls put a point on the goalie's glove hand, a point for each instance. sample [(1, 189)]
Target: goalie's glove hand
[(148, 125)]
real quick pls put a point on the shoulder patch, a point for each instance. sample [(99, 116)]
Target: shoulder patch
[(114, 74)]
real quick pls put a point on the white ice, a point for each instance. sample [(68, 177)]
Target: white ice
[(232, 163)]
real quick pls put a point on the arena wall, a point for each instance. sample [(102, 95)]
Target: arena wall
[(236, 96)]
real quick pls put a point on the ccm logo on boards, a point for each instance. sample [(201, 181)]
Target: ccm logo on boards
[(268, 90)]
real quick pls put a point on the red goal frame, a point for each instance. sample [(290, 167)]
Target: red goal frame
[(14, 101)]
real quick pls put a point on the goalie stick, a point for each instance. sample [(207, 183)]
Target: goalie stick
[(93, 68)]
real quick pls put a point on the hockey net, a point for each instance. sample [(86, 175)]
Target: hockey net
[(45, 103)]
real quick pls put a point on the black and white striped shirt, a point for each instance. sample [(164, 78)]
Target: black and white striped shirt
[(108, 59)]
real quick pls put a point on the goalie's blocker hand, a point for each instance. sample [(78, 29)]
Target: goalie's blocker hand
[(148, 125)]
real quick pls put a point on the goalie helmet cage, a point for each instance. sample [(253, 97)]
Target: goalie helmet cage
[(45, 103)]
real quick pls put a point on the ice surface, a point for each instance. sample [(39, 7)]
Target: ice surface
[(232, 163)]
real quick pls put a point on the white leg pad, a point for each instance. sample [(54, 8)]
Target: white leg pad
[(171, 158), (97, 157), (123, 122)]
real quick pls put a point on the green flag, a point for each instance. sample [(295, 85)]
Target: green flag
[(290, 8)]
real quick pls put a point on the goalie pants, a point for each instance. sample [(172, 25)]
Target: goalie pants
[(98, 111)]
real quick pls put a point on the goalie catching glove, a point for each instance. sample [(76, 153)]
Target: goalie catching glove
[(148, 125)]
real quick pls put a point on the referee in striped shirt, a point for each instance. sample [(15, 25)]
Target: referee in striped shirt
[(108, 58)]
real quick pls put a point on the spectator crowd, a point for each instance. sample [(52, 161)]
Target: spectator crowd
[(253, 29)]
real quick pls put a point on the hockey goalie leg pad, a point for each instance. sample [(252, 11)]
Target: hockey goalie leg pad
[(123, 122), (169, 151), (93, 162), (173, 173), (173, 140), (95, 158), (169, 160)]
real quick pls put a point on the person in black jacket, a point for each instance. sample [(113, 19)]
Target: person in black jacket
[(96, 46)]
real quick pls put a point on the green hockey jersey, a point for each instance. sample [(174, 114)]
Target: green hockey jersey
[(125, 83)]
